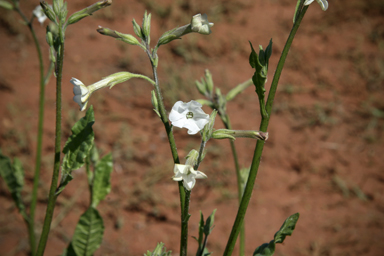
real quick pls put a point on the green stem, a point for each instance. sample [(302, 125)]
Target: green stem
[(184, 197), (228, 126), (36, 179), (55, 175), (260, 144)]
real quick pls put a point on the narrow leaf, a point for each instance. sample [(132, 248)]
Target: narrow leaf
[(253, 57), (88, 233), (102, 179), (209, 223)]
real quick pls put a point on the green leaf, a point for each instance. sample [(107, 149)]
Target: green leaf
[(253, 59), (88, 233), (160, 250), (79, 143), (13, 176), (102, 179), (287, 228), (209, 223), (266, 249)]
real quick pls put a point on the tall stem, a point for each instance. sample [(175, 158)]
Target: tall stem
[(36, 179), (184, 197), (228, 126), (260, 144), (55, 175)]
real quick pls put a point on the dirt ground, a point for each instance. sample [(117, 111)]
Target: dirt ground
[(323, 158)]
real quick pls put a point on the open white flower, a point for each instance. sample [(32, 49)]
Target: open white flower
[(188, 175), (188, 115), (323, 3), (81, 93), (39, 14), (200, 24)]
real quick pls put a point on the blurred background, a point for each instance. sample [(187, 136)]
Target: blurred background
[(323, 158)]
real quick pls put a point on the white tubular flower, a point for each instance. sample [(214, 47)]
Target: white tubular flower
[(81, 93), (188, 175), (323, 3), (200, 24), (188, 115), (39, 14)]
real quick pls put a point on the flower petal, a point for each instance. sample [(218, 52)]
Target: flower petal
[(323, 4), (200, 175)]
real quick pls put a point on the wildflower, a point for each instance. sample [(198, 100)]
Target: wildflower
[(200, 24), (188, 175), (188, 115), (39, 14), (323, 3), (81, 93)]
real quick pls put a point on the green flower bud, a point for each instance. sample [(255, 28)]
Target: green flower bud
[(208, 81), (232, 134), (48, 11), (129, 39), (208, 128), (146, 27), (192, 157), (77, 16), (49, 38), (155, 103), (137, 29), (6, 5), (238, 89)]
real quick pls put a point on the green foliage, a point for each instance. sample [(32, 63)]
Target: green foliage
[(286, 229), (77, 147), (13, 176), (88, 234), (160, 250), (204, 229), (102, 179)]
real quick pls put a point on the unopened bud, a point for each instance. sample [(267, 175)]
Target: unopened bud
[(49, 38), (77, 16), (48, 11), (208, 128), (192, 157), (146, 26), (137, 29), (155, 103), (6, 5), (232, 134)]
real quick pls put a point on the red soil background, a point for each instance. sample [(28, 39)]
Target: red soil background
[(323, 158)]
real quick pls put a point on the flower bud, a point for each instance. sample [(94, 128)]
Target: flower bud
[(49, 37), (155, 103), (208, 128), (146, 27), (192, 157), (77, 16), (48, 11), (237, 90), (200, 24), (126, 38), (6, 5), (137, 29), (232, 134)]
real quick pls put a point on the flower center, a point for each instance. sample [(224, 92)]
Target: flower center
[(189, 115)]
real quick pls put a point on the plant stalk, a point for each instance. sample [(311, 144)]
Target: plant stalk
[(55, 175), (260, 144)]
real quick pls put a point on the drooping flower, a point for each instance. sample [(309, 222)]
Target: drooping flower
[(200, 24), (188, 115), (188, 175), (323, 3), (39, 14), (81, 93)]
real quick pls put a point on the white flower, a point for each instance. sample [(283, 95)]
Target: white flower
[(81, 93), (323, 3), (200, 24), (39, 14), (188, 175), (188, 115)]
